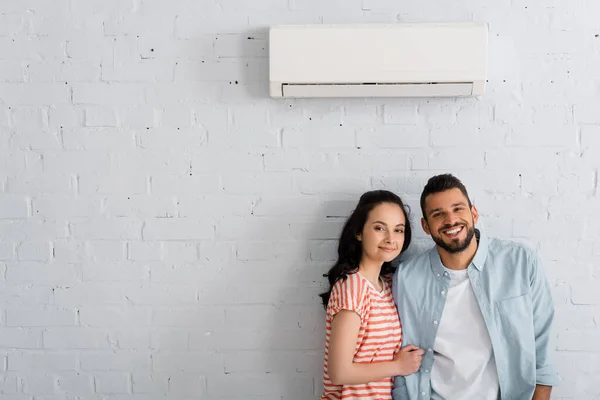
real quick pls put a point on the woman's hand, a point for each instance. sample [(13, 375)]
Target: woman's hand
[(408, 360)]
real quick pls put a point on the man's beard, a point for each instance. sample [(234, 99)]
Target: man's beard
[(455, 247)]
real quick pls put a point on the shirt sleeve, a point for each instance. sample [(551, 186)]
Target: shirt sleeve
[(543, 316), (348, 294)]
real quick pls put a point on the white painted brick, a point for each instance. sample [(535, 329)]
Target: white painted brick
[(130, 182), (42, 141), (543, 135), (316, 230), (13, 207), (179, 252), (160, 162), (41, 273), (257, 228), (76, 384), (144, 71), (195, 26), (98, 139), (271, 251), (400, 114), (278, 384), (107, 94), (37, 383), (393, 136), (331, 184), (12, 71), (75, 71), (187, 385), (586, 113), (140, 206), (519, 159), (75, 338), (209, 159), (144, 251), (191, 362), (131, 339), (29, 118), (113, 316), (169, 339), (65, 117), (11, 25), (112, 382), (100, 117), (163, 294), (578, 341), (119, 361), (242, 138), (111, 229), (75, 162), (19, 338), (116, 273), (177, 229), (590, 136), (90, 49), (182, 274), (31, 48), (34, 251), (40, 317), (57, 206), (459, 159), (34, 94), (241, 45), (269, 361), (7, 251), (35, 361), (140, 116), (105, 250), (334, 137), (182, 92), (175, 117), (323, 250), (190, 317), (298, 160), (170, 48), (150, 384), (185, 184), (286, 206), (89, 293)]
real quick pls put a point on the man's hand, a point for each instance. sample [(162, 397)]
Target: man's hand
[(542, 392)]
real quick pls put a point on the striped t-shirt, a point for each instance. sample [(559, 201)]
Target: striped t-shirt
[(379, 337)]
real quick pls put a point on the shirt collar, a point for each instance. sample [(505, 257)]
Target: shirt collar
[(478, 260)]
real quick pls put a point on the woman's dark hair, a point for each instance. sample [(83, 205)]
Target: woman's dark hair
[(350, 248)]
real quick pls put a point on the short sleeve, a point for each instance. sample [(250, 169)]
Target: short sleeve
[(348, 294)]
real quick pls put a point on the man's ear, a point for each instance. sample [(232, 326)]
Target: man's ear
[(475, 214), (425, 226)]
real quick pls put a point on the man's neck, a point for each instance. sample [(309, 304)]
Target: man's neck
[(458, 261)]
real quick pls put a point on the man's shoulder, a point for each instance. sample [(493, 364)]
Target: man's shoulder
[(415, 260), (510, 247)]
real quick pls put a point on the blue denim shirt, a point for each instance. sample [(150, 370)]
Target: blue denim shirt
[(514, 298)]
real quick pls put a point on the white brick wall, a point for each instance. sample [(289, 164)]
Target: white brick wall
[(164, 224)]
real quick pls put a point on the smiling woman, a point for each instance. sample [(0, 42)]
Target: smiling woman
[(364, 336)]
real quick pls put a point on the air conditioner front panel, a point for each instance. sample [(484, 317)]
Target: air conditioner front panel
[(388, 53)]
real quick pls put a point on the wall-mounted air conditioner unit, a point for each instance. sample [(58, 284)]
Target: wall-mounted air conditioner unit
[(395, 60)]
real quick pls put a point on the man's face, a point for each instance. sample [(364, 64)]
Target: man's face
[(449, 220)]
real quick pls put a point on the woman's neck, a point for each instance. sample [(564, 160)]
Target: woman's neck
[(371, 271)]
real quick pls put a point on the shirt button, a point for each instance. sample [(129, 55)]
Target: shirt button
[(423, 394), (435, 322), (438, 275), (445, 274), (429, 350), (443, 292), (426, 370)]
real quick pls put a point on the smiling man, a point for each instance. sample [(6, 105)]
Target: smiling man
[(480, 307)]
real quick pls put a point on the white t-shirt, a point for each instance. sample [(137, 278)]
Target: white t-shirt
[(463, 364)]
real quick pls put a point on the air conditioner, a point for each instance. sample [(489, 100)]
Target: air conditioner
[(378, 60)]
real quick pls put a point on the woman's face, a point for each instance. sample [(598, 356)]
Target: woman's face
[(382, 236)]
